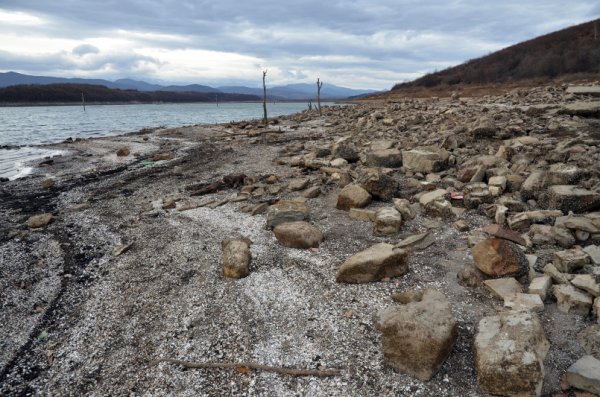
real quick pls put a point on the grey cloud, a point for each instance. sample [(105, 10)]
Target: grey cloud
[(273, 30), (85, 49)]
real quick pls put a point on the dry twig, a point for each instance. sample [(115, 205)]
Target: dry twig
[(284, 371)]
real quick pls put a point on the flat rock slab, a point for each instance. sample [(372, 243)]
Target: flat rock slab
[(584, 374), (509, 354), (520, 301), (417, 241), (500, 232), (503, 287), (540, 286), (593, 90), (298, 235), (286, 211), (377, 262), (418, 334)]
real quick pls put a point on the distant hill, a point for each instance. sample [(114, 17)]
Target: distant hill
[(71, 93), (568, 51), (281, 93)]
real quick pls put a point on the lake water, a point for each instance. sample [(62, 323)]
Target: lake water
[(21, 128)]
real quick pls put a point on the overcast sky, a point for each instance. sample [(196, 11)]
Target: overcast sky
[(359, 44)]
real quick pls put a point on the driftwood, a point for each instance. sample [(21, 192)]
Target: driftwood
[(321, 373)]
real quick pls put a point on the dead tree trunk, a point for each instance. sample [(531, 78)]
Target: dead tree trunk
[(266, 121), (319, 85)]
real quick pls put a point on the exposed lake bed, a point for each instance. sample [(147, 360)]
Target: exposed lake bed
[(128, 268)]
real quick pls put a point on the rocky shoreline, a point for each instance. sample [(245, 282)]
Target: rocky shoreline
[(443, 246)]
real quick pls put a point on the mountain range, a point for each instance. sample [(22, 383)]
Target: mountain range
[(303, 91)]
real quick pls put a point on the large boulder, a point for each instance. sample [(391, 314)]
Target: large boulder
[(298, 235), (570, 198), (388, 158), (425, 160), (497, 257), (236, 258), (509, 354), (286, 211), (418, 335), (353, 196), (377, 262)]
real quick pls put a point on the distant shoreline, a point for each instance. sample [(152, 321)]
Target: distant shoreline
[(27, 104)]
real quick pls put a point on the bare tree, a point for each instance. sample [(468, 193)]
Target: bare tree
[(266, 121), (319, 85)]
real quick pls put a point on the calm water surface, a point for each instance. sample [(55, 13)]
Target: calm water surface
[(24, 127)]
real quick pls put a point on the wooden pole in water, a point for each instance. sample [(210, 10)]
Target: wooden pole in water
[(319, 85), (83, 101), (266, 121)]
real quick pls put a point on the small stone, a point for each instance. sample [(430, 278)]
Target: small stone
[(48, 183), (509, 354), (562, 236), (589, 338), (387, 221), (520, 301), (498, 181), (162, 156), (353, 196), (298, 235), (120, 248), (312, 192), (346, 151), (362, 214), (584, 374), (498, 258), (470, 276), (169, 203), (500, 215), (571, 300), (373, 264), (558, 277), (596, 309), (123, 152), (425, 161), (338, 163), (236, 258), (570, 260), (259, 209), (388, 158), (503, 287), (39, 221), (404, 208), (588, 283), (540, 286), (461, 225), (298, 184), (594, 252), (430, 197), (419, 334), (380, 186)]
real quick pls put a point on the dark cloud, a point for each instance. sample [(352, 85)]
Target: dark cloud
[(396, 38)]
